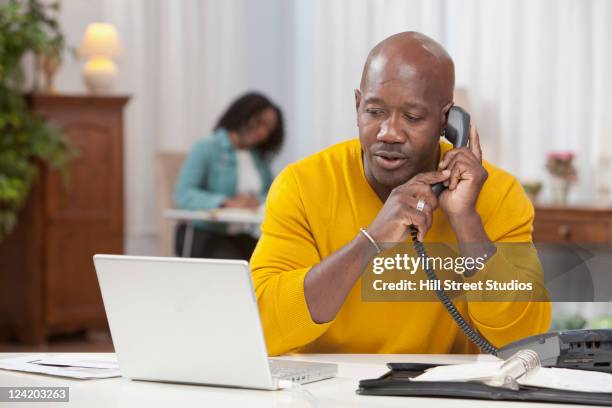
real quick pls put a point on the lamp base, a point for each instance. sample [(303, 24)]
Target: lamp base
[(99, 75)]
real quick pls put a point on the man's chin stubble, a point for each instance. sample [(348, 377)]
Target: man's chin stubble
[(388, 180)]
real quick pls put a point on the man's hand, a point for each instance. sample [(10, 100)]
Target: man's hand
[(467, 176), (241, 201), (399, 212)]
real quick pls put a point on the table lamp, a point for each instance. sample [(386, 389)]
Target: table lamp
[(100, 44)]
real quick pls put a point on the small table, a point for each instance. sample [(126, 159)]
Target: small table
[(225, 215)]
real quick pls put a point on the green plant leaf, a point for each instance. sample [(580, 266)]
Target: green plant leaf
[(26, 137)]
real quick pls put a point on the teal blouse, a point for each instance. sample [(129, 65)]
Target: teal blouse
[(209, 175)]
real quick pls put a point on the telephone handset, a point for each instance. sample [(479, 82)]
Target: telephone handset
[(457, 132)]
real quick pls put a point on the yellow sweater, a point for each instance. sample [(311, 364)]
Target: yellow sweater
[(315, 207)]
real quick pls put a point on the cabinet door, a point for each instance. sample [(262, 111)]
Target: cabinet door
[(573, 230), (573, 225), (84, 217)]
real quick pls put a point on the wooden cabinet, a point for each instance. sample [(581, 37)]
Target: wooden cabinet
[(47, 278), (573, 224)]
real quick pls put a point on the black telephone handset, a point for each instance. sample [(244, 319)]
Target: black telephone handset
[(457, 132)]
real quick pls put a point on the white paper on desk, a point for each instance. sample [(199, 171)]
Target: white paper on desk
[(461, 372), (28, 364), (236, 212), (79, 360), (545, 377), (568, 379)]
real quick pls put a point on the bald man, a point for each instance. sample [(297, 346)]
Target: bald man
[(308, 263)]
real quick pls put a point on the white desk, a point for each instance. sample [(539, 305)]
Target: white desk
[(227, 215), (336, 392)]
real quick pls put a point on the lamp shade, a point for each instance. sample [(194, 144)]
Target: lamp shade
[(100, 40)]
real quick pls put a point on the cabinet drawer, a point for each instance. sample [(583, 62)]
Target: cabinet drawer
[(572, 230)]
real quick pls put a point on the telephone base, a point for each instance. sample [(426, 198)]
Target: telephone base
[(578, 349)]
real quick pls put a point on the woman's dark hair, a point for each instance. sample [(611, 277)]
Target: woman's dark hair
[(246, 107)]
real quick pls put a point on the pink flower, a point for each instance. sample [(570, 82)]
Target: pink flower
[(561, 156), (560, 164)]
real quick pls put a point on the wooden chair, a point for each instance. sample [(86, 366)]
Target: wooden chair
[(168, 165)]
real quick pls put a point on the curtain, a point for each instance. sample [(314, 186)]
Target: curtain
[(535, 73)]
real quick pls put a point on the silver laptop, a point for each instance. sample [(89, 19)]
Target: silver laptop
[(192, 321)]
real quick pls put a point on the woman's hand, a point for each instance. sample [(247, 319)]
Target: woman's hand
[(241, 201)]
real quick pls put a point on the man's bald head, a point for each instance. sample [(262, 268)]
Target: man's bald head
[(402, 108), (410, 56)]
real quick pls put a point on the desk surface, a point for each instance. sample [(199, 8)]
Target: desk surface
[(336, 392), (229, 215)]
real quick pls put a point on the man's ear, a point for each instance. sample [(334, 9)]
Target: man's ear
[(444, 115), (357, 103), (357, 99)]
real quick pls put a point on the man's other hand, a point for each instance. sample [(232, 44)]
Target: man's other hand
[(467, 176), (399, 212)]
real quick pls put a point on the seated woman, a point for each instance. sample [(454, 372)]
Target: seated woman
[(230, 169)]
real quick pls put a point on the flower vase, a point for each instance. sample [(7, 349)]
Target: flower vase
[(560, 190), (49, 64)]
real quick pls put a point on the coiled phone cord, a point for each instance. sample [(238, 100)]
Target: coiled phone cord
[(476, 338)]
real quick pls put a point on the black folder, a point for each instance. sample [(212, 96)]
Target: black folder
[(397, 382)]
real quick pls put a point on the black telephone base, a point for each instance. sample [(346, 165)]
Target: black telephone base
[(578, 349)]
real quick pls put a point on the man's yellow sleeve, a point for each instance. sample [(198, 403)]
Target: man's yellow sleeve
[(284, 254)]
